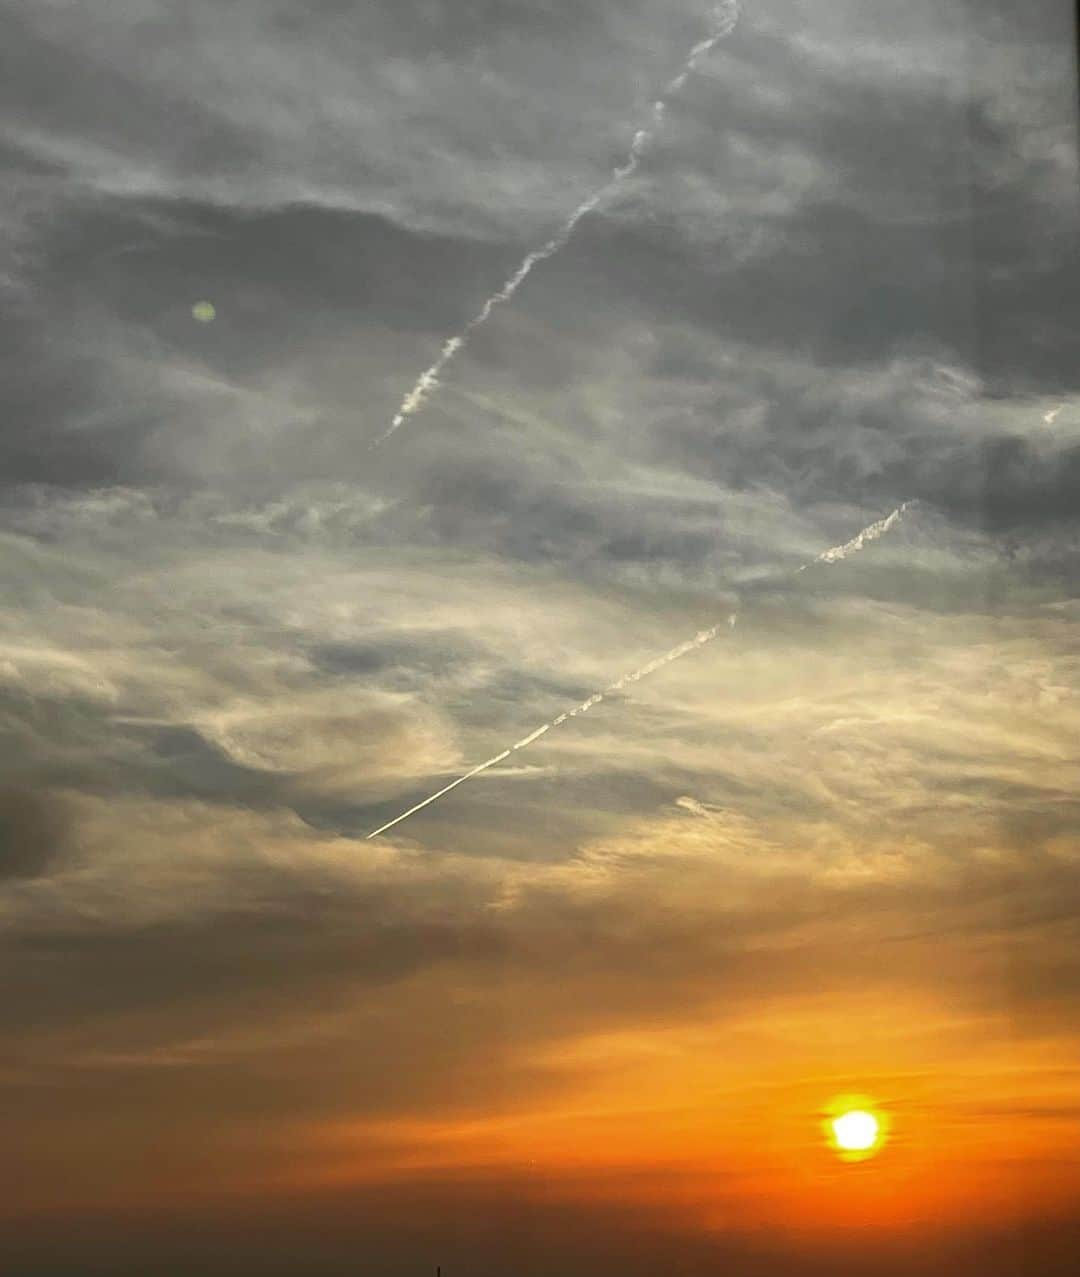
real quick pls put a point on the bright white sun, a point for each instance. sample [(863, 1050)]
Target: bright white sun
[(855, 1127), (856, 1131)]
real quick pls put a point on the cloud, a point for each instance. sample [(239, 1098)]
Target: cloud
[(335, 742), (34, 832)]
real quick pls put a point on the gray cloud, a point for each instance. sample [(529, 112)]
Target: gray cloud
[(34, 833)]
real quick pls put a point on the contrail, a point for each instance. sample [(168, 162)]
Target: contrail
[(722, 22), (875, 530), (699, 639), (835, 555)]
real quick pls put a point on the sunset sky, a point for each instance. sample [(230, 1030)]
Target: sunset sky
[(590, 1012)]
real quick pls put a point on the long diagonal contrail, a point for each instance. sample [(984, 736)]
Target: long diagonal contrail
[(834, 555), (723, 19)]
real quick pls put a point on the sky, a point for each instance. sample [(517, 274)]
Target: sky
[(585, 1012)]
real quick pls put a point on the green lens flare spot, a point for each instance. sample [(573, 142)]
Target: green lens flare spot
[(204, 312)]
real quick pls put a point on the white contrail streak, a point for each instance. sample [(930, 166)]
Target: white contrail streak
[(835, 555), (702, 637), (722, 22), (875, 530)]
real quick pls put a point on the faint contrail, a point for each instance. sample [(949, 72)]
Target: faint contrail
[(835, 555), (722, 21)]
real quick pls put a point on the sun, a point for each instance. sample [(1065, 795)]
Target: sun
[(854, 1127), (856, 1131)]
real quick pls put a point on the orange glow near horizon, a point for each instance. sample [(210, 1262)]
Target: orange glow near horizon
[(718, 1130), (727, 1127)]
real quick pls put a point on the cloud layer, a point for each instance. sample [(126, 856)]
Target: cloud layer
[(597, 996)]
